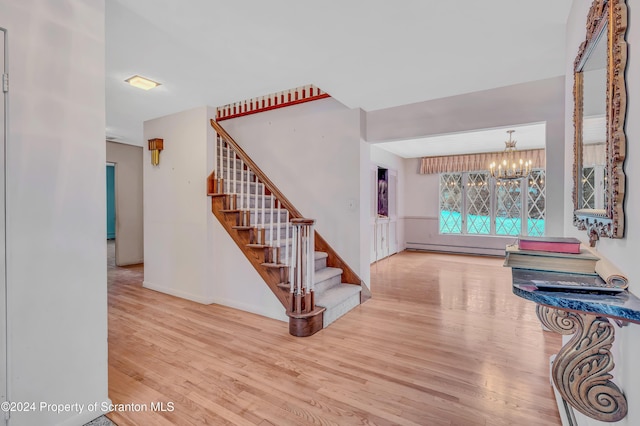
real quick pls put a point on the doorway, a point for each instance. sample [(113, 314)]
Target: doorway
[(384, 215), (111, 214), (111, 201)]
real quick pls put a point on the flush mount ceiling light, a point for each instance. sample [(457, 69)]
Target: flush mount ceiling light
[(142, 83)]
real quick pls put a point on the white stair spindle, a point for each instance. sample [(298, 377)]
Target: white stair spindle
[(215, 156), (263, 215), (235, 178), (220, 174), (303, 260), (299, 245), (278, 232), (307, 256), (286, 236), (312, 257), (292, 263), (271, 221), (240, 204), (255, 202), (228, 169), (248, 190)]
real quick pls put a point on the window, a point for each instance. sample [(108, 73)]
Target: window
[(471, 203), (478, 203), (593, 187), (451, 203)]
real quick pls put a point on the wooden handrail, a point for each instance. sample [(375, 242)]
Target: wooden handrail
[(262, 177), (333, 260)]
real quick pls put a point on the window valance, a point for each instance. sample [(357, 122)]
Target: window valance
[(593, 154), (475, 162)]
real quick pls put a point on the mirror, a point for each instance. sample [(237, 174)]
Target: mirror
[(599, 114)]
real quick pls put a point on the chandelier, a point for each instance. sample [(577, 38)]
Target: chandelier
[(512, 166)]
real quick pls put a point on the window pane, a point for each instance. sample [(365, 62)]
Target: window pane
[(478, 199), (451, 203), (588, 188), (508, 207), (536, 203)]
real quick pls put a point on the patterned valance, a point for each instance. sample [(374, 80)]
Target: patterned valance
[(475, 162)]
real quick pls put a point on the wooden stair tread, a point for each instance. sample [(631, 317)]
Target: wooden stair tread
[(242, 228), (215, 194), (230, 211), (284, 286), (258, 246), (274, 265)]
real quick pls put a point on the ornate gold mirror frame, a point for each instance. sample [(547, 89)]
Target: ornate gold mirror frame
[(608, 16)]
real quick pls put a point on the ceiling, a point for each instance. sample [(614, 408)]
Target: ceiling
[(368, 54), (531, 136)]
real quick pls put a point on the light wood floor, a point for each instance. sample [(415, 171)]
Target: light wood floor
[(443, 341)]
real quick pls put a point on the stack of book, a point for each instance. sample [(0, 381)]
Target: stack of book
[(568, 264), (553, 254)]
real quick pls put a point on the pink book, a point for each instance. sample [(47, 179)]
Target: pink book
[(552, 244)]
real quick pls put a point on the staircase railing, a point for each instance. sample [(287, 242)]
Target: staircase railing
[(241, 184), (216, 184)]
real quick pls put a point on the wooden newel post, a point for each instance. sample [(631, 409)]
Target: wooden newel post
[(303, 313)]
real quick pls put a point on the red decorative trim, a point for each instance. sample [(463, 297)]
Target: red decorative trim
[(272, 106)]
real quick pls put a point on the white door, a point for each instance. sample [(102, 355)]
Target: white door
[(3, 282)]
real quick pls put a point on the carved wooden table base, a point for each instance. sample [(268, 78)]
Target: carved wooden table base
[(581, 368)]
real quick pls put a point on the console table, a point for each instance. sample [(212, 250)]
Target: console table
[(581, 370)]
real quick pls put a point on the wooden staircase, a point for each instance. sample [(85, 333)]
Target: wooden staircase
[(317, 286)]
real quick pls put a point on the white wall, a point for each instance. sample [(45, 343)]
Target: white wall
[(313, 153), (128, 191), (175, 205), (421, 191), (622, 252), (56, 201), (187, 252)]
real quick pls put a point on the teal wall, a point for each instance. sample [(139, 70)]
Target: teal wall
[(111, 202)]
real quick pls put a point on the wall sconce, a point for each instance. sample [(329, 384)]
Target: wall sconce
[(155, 146)]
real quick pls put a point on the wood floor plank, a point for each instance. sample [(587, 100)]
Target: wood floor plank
[(443, 341)]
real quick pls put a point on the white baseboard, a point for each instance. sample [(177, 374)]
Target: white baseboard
[(130, 263), (486, 251), (178, 293), (281, 316)]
